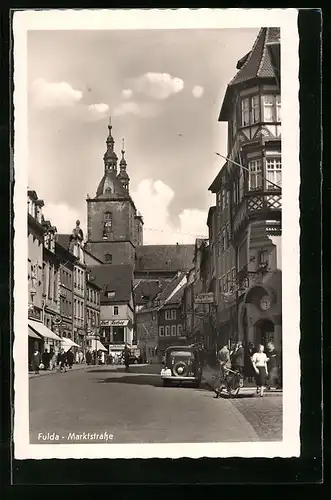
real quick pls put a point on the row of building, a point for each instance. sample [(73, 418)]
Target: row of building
[(233, 289), (226, 286)]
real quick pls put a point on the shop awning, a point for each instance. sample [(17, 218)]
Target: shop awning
[(42, 330), (33, 334), (69, 342), (97, 346)]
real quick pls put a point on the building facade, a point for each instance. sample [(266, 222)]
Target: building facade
[(51, 268), (248, 199), (66, 296), (92, 303), (116, 304)]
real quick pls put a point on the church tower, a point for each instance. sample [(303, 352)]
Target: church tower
[(113, 227)]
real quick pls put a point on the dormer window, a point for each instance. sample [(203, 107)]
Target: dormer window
[(108, 258), (110, 294)]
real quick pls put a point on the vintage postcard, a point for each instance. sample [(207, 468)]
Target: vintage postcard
[(156, 216)]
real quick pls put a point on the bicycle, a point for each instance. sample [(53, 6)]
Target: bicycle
[(232, 381)]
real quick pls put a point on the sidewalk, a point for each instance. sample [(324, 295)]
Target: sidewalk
[(43, 373), (249, 387), (79, 366)]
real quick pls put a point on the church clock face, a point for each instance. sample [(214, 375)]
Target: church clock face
[(265, 303)]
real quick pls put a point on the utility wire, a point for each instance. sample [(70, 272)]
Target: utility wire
[(247, 169)]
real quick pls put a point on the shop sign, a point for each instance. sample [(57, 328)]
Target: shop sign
[(204, 298), (115, 322), (57, 320)]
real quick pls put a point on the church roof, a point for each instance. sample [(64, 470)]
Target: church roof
[(63, 240), (257, 63), (113, 278), (164, 257), (110, 186)]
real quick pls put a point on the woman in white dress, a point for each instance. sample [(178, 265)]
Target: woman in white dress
[(259, 361)]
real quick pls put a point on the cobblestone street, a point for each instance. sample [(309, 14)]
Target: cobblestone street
[(135, 407)]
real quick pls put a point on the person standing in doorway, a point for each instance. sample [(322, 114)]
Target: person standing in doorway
[(273, 367), (36, 360), (259, 361)]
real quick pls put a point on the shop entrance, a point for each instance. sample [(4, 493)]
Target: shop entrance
[(264, 332)]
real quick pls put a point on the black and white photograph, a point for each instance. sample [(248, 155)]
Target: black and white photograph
[(156, 250)]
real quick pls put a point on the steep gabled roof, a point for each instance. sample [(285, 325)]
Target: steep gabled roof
[(164, 257), (145, 290), (113, 278), (256, 64), (63, 240)]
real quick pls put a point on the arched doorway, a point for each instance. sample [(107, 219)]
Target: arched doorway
[(264, 332)]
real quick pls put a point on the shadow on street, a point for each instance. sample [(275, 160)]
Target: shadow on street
[(141, 380)]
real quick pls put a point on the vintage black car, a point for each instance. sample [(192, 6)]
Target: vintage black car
[(182, 365)]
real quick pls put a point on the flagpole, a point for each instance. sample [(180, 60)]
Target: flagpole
[(247, 169)]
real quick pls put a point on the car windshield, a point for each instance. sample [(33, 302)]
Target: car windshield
[(181, 354)]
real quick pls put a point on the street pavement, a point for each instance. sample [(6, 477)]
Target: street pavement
[(103, 404)]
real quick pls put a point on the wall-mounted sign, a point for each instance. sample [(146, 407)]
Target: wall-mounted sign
[(204, 298), (57, 320), (114, 322)]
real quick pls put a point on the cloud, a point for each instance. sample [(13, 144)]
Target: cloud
[(126, 93), (152, 200), (54, 94), (144, 110), (97, 111), (198, 91), (63, 217), (158, 85)]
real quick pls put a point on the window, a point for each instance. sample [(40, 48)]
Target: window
[(226, 237), (108, 258), (263, 257), (274, 172), (255, 109), (268, 108), (115, 310), (255, 174), (161, 331), (229, 281), (224, 284), (110, 294), (167, 331), (278, 108), (173, 330), (179, 329), (107, 224), (173, 314), (223, 198), (234, 122), (167, 315), (241, 184), (245, 112), (222, 242), (218, 198)]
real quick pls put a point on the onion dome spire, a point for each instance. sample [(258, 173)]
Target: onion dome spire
[(110, 157), (123, 175)]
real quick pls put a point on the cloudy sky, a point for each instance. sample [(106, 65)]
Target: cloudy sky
[(163, 89)]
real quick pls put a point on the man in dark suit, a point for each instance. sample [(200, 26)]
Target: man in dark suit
[(238, 358)]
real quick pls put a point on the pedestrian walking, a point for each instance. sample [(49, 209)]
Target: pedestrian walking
[(248, 366), (273, 367), (126, 356), (76, 357), (223, 358), (45, 359), (259, 361), (238, 358), (81, 357), (88, 358), (51, 358), (70, 358), (36, 361), (62, 361)]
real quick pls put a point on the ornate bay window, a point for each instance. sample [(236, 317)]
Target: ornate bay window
[(245, 112), (255, 109), (273, 172), (255, 175)]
